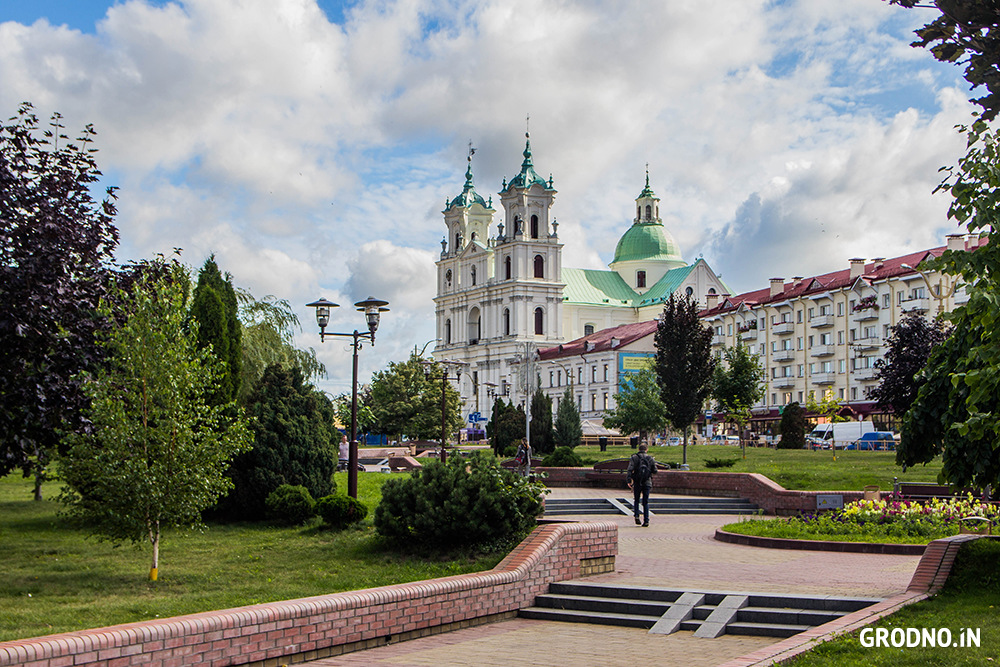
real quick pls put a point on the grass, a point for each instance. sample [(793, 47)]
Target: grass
[(785, 529), (970, 599), (54, 578), (799, 469)]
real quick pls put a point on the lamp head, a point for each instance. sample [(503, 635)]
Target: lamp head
[(322, 307), (372, 308)]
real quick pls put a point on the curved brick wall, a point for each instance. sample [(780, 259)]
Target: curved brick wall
[(310, 628)]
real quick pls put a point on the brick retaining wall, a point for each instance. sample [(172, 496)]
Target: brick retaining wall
[(760, 490), (317, 627)]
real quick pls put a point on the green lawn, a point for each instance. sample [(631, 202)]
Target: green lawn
[(799, 469), (970, 599), (53, 578)]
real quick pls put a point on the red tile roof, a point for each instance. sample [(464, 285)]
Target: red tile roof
[(873, 271), (600, 341)]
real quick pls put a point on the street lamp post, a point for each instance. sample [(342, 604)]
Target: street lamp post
[(940, 296), (372, 308), (444, 399)]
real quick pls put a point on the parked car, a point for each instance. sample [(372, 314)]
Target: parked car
[(872, 441), (719, 439), (673, 441)]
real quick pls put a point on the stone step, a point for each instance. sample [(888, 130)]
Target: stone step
[(595, 617), (765, 629), (616, 605)]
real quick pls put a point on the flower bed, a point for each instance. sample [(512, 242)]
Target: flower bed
[(891, 521)]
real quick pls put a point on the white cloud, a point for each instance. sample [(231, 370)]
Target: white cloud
[(312, 156)]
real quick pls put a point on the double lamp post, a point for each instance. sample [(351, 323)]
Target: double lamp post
[(372, 309)]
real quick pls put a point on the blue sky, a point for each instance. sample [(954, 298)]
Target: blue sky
[(311, 147)]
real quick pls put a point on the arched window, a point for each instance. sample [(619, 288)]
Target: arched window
[(506, 321), (689, 291), (539, 266), (534, 226), (447, 278), (472, 274), (588, 329), (447, 332), (649, 212), (506, 268), (473, 237), (640, 278), (711, 290), (474, 326), (539, 321)]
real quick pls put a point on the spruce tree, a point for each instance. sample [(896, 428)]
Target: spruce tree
[(568, 430), (540, 427), (215, 309)]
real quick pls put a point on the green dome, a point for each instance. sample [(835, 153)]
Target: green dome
[(647, 242)]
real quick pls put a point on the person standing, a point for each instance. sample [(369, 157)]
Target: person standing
[(344, 453), (641, 468)]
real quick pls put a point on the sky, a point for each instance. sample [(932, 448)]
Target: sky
[(311, 146)]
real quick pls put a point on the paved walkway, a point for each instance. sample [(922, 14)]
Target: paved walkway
[(675, 551)]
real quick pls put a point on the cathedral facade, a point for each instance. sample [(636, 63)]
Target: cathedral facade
[(503, 294)]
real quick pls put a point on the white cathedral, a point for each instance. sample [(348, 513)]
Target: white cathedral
[(503, 296)]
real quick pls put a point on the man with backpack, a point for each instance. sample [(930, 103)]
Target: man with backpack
[(641, 468)]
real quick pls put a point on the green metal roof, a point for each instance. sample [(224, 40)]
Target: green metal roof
[(469, 195), (665, 286), (595, 287), (527, 176), (647, 242)]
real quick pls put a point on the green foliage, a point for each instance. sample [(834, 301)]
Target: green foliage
[(829, 406), (339, 512), (540, 428), (792, 427), (720, 463), (638, 405), (568, 429), (505, 427), (907, 350), (737, 385), (56, 244), (268, 333), (562, 457), (464, 502), (406, 400), (684, 362), (291, 505), (158, 451), (295, 442), (214, 308), (957, 409)]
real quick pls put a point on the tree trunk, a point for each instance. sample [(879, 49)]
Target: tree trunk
[(39, 478), (154, 537), (684, 456)]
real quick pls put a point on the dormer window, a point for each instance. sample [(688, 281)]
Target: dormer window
[(640, 279)]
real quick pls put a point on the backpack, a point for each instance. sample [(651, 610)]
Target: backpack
[(644, 470)]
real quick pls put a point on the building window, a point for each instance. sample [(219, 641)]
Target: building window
[(593, 402), (506, 321), (472, 272), (579, 402), (539, 266), (640, 278), (605, 372), (458, 242), (605, 401), (588, 329), (774, 399), (506, 268), (649, 212), (579, 375), (534, 226), (593, 373), (447, 332), (787, 396), (558, 378), (854, 393), (886, 300), (447, 278), (711, 290), (552, 376), (539, 321), (689, 291)]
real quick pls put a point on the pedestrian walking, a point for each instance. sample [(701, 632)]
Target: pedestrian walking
[(344, 453), (522, 460), (641, 468)]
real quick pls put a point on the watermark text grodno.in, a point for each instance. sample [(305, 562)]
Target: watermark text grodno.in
[(922, 637)]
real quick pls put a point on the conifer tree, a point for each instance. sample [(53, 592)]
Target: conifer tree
[(215, 309)]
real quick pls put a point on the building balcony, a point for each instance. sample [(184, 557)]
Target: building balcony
[(864, 374), (718, 340), (750, 334), (782, 328), (821, 321), (865, 315), (782, 355), (867, 343), (824, 378), (822, 350), (920, 305), (783, 382)]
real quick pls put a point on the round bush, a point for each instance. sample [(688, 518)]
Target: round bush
[(341, 511), (563, 457), (290, 504), (464, 502)]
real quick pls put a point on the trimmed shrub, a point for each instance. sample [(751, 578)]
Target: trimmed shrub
[(464, 502), (290, 504), (563, 457), (341, 511), (793, 427), (720, 463)]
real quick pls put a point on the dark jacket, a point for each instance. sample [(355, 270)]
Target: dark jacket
[(633, 468)]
